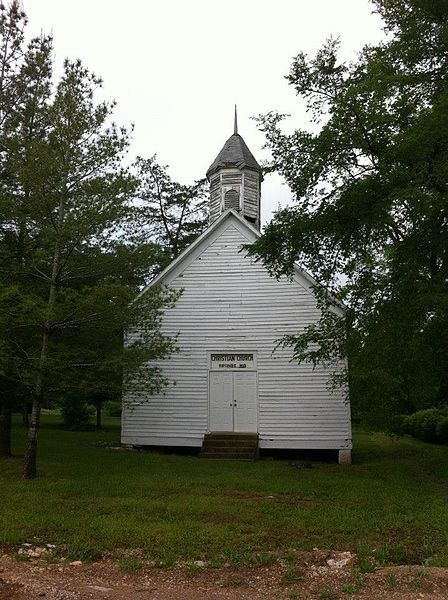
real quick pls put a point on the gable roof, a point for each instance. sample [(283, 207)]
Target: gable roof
[(301, 276), (234, 153)]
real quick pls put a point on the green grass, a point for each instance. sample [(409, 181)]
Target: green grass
[(390, 507)]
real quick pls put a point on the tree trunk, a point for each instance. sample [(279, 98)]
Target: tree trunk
[(30, 458), (25, 416), (5, 432), (98, 406)]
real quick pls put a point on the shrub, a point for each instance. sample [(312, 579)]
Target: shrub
[(442, 430), (76, 414), (426, 424)]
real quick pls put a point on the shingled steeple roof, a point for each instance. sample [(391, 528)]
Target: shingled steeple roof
[(234, 153)]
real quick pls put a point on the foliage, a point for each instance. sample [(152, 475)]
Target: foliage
[(69, 267), (170, 214), (370, 219), (76, 414), (113, 408), (442, 430), (391, 500), (430, 425)]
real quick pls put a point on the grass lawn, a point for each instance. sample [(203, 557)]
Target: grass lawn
[(392, 503)]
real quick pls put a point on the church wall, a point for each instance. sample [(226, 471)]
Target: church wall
[(231, 304)]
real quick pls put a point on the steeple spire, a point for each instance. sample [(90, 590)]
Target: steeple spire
[(235, 127)]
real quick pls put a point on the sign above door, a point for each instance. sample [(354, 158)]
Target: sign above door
[(232, 361)]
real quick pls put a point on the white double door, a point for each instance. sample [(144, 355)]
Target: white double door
[(233, 401)]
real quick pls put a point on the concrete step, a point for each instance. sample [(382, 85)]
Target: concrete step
[(208, 443), (231, 445), (234, 448), (224, 435)]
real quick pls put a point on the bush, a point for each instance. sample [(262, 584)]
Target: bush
[(426, 424), (76, 414), (113, 408), (442, 431)]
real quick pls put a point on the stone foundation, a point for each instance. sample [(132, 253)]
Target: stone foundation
[(345, 457)]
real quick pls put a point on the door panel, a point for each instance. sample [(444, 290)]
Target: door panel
[(221, 401), (245, 402)]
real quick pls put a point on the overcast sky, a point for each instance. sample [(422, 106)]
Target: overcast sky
[(177, 67)]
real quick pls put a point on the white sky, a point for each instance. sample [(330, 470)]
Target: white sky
[(177, 67)]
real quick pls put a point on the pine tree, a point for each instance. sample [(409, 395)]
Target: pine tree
[(170, 214), (69, 266), (24, 90)]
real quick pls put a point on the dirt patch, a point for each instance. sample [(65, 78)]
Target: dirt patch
[(309, 578), (10, 591)]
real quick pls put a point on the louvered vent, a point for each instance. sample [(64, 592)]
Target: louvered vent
[(232, 200)]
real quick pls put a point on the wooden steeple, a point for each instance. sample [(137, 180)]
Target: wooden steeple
[(235, 180)]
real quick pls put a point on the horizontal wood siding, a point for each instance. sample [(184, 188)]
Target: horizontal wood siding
[(231, 177), (215, 198), (251, 194), (230, 303)]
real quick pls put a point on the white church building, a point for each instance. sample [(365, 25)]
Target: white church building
[(231, 390)]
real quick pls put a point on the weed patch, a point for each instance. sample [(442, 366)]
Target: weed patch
[(348, 588), (130, 564), (21, 557), (79, 549), (391, 581)]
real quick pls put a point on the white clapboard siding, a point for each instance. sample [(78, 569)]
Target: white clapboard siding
[(231, 304)]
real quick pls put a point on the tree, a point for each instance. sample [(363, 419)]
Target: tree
[(85, 199), (170, 214), (371, 218), (24, 89), (107, 283), (12, 314), (69, 269), (12, 25)]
